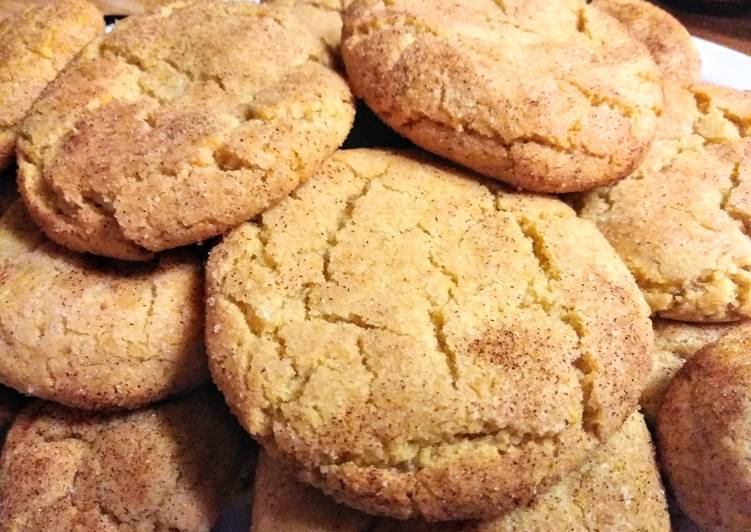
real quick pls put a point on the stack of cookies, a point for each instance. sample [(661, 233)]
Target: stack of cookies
[(421, 339)]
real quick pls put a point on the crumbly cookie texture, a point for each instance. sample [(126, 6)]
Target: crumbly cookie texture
[(549, 96), (680, 222), (668, 41), (35, 44), (419, 344), (178, 126), (93, 333), (618, 488), (675, 343), (704, 426), (322, 17), (167, 467)]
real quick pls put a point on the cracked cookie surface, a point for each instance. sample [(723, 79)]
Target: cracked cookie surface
[(322, 17), (704, 426), (618, 488), (547, 96), (167, 467), (675, 343), (178, 126), (35, 44), (680, 221), (668, 41), (417, 344), (94, 333)]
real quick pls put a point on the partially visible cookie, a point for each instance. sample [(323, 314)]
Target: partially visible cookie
[(704, 427), (93, 333), (618, 488), (681, 221), (675, 342), (322, 17), (666, 38), (36, 42), (178, 126), (167, 467), (417, 342), (549, 96)]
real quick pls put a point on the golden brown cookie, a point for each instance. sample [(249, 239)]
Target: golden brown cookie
[(618, 488), (322, 17), (704, 427), (680, 222), (167, 467), (35, 44), (549, 96), (178, 126), (675, 342), (419, 344), (666, 38), (93, 333)]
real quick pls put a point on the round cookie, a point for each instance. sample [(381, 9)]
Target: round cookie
[(669, 42), (618, 488), (419, 344), (95, 334), (675, 343), (167, 467), (680, 221), (704, 426), (178, 126), (36, 42), (549, 96)]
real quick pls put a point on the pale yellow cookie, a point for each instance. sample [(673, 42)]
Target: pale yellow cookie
[(167, 467), (675, 342), (322, 17), (668, 41), (618, 488), (549, 96), (93, 333), (680, 222), (180, 125), (704, 427), (36, 42), (419, 344)]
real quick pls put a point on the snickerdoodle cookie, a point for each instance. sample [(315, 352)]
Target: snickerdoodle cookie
[(166, 467), (668, 41), (551, 96), (179, 125), (93, 333), (680, 222), (36, 42), (419, 344), (322, 17), (704, 427), (618, 488), (675, 342)]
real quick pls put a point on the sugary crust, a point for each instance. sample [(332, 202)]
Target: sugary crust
[(93, 333), (322, 17), (547, 96), (704, 426), (386, 358), (178, 126), (618, 488), (168, 467), (680, 222), (675, 342), (35, 44), (667, 40)]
